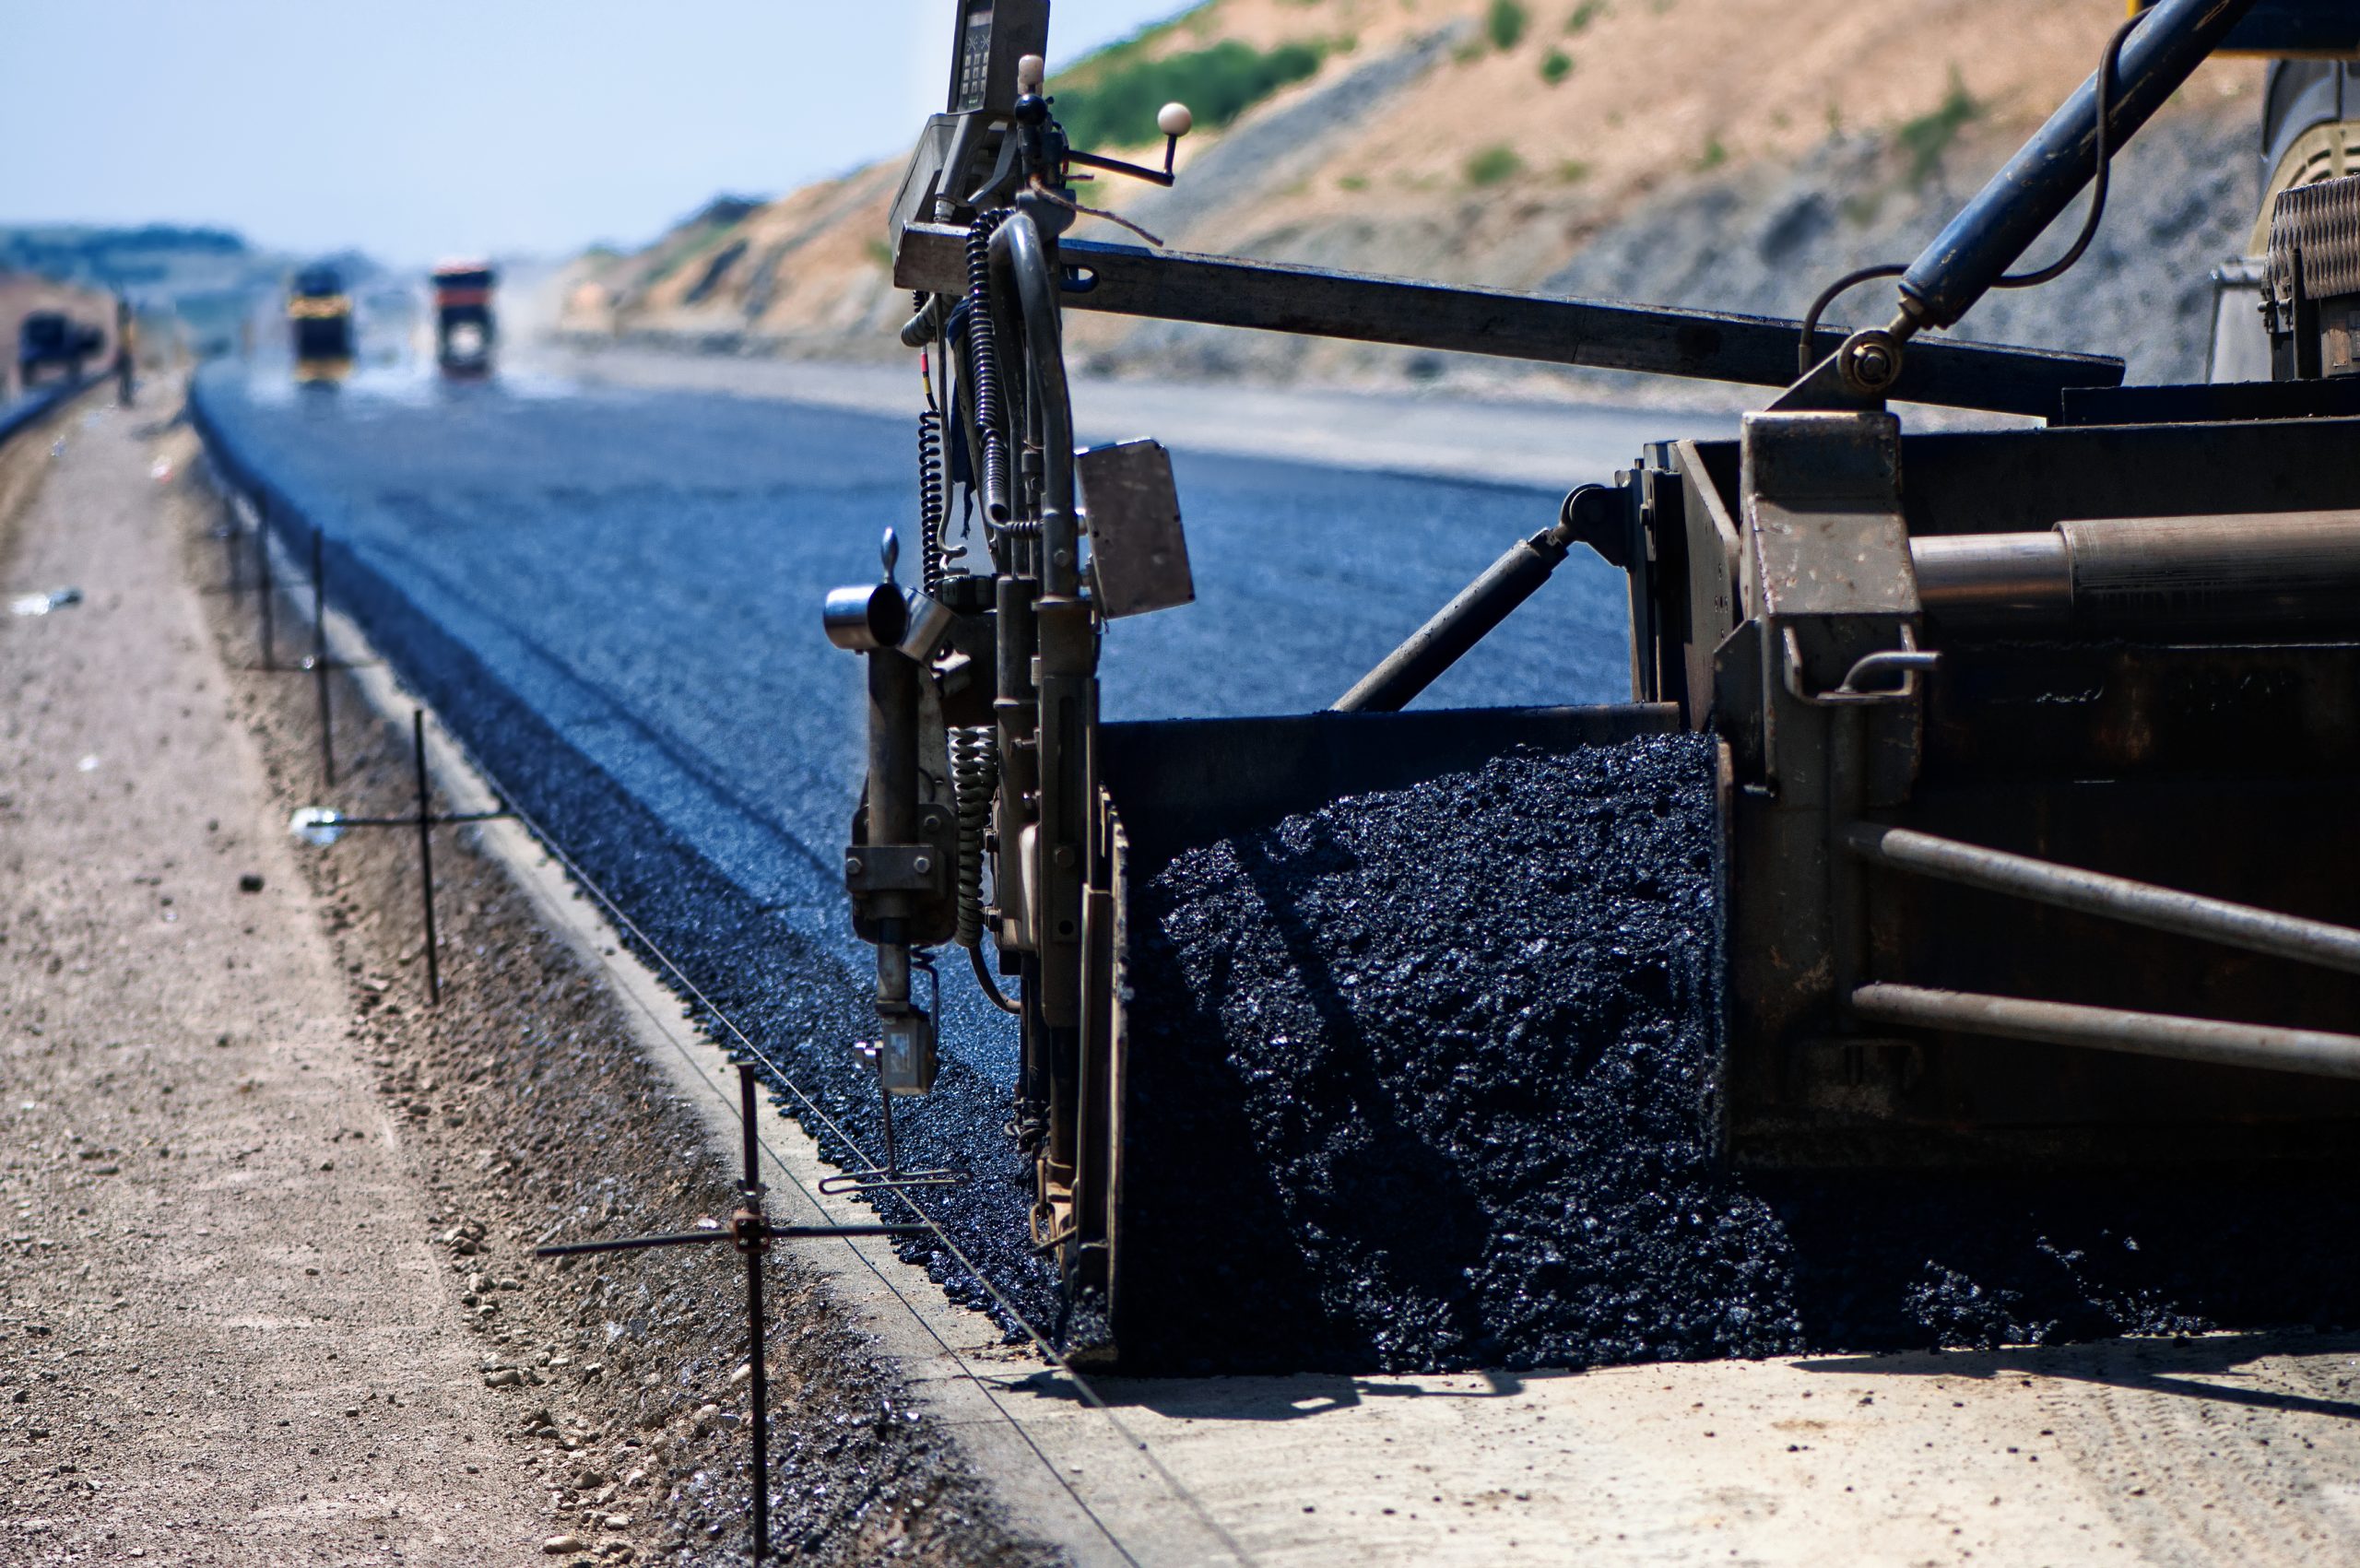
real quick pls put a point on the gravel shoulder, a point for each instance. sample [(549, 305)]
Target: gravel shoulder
[(223, 1325), (267, 1292)]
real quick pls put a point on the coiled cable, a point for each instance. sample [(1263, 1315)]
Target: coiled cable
[(974, 780), (930, 507), (983, 364)]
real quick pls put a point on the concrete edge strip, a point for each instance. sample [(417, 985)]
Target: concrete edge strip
[(950, 1357), (32, 411)]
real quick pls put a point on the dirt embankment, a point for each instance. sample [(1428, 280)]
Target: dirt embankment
[(1733, 154)]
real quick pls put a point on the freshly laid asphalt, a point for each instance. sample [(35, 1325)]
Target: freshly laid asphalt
[(613, 599)]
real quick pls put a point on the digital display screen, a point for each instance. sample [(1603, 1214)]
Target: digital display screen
[(974, 58)]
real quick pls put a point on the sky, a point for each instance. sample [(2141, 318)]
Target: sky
[(436, 127)]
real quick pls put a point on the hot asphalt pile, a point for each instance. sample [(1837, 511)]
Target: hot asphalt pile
[(1424, 1080)]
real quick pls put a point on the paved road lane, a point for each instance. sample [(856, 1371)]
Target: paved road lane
[(614, 596)]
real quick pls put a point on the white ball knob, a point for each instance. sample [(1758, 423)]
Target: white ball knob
[(1173, 120), (1030, 72)]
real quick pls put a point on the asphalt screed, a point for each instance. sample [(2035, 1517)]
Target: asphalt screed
[(1424, 1080)]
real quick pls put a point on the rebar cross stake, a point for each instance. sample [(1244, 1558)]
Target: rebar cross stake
[(313, 819), (752, 1233)]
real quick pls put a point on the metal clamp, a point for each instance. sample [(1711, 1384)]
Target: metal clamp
[(894, 868), (1909, 659)]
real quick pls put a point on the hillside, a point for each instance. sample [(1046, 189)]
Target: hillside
[(1726, 153)]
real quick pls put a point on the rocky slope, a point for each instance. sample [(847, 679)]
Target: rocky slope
[(1727, 153)]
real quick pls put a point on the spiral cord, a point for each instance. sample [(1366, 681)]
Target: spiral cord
[(974, 779), (983, 362), (932, 568)]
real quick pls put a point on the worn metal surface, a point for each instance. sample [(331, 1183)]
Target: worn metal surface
[(1138, 553), (2314, 241), (2265, 573), (2257, 1046), (1705, 345), (2119, 897), (2219, 757)]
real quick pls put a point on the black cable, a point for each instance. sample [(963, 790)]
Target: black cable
[(991, 987), (2107, 69), (1827, 297)]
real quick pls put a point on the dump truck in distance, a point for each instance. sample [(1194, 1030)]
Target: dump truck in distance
[(319, 318), (52, 338), (464, 325)]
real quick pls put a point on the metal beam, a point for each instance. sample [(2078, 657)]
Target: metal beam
[(1701, 345), (2262, 1046), (2118, 898)]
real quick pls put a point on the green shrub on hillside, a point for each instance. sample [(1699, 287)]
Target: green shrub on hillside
[(1555, 67), (1116, 106), (1505, 23), (1493, 164), (1927, 137)]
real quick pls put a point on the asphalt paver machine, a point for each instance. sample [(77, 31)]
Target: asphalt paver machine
[(2039, 746)]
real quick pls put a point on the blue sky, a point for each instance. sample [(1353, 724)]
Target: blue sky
[(434, 126)]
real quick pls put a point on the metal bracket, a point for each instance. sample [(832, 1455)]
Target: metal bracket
[(1908, 659), (894, 868), (1139, 554)]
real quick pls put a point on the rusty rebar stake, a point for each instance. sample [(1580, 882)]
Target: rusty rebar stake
[(320, 657), (752, 1233), (424, 820), (262, 573), (426, 858)]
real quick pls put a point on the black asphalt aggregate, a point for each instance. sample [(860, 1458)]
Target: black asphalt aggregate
[(613, 600), (1425, 1080)]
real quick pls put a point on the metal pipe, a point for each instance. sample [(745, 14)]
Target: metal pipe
[(2116, 898), (2251, 567), (2261, 1046), (1971, 576), (1021, 260), (892, 806), (1995, 229), (2236, 568), (1458, 625)]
